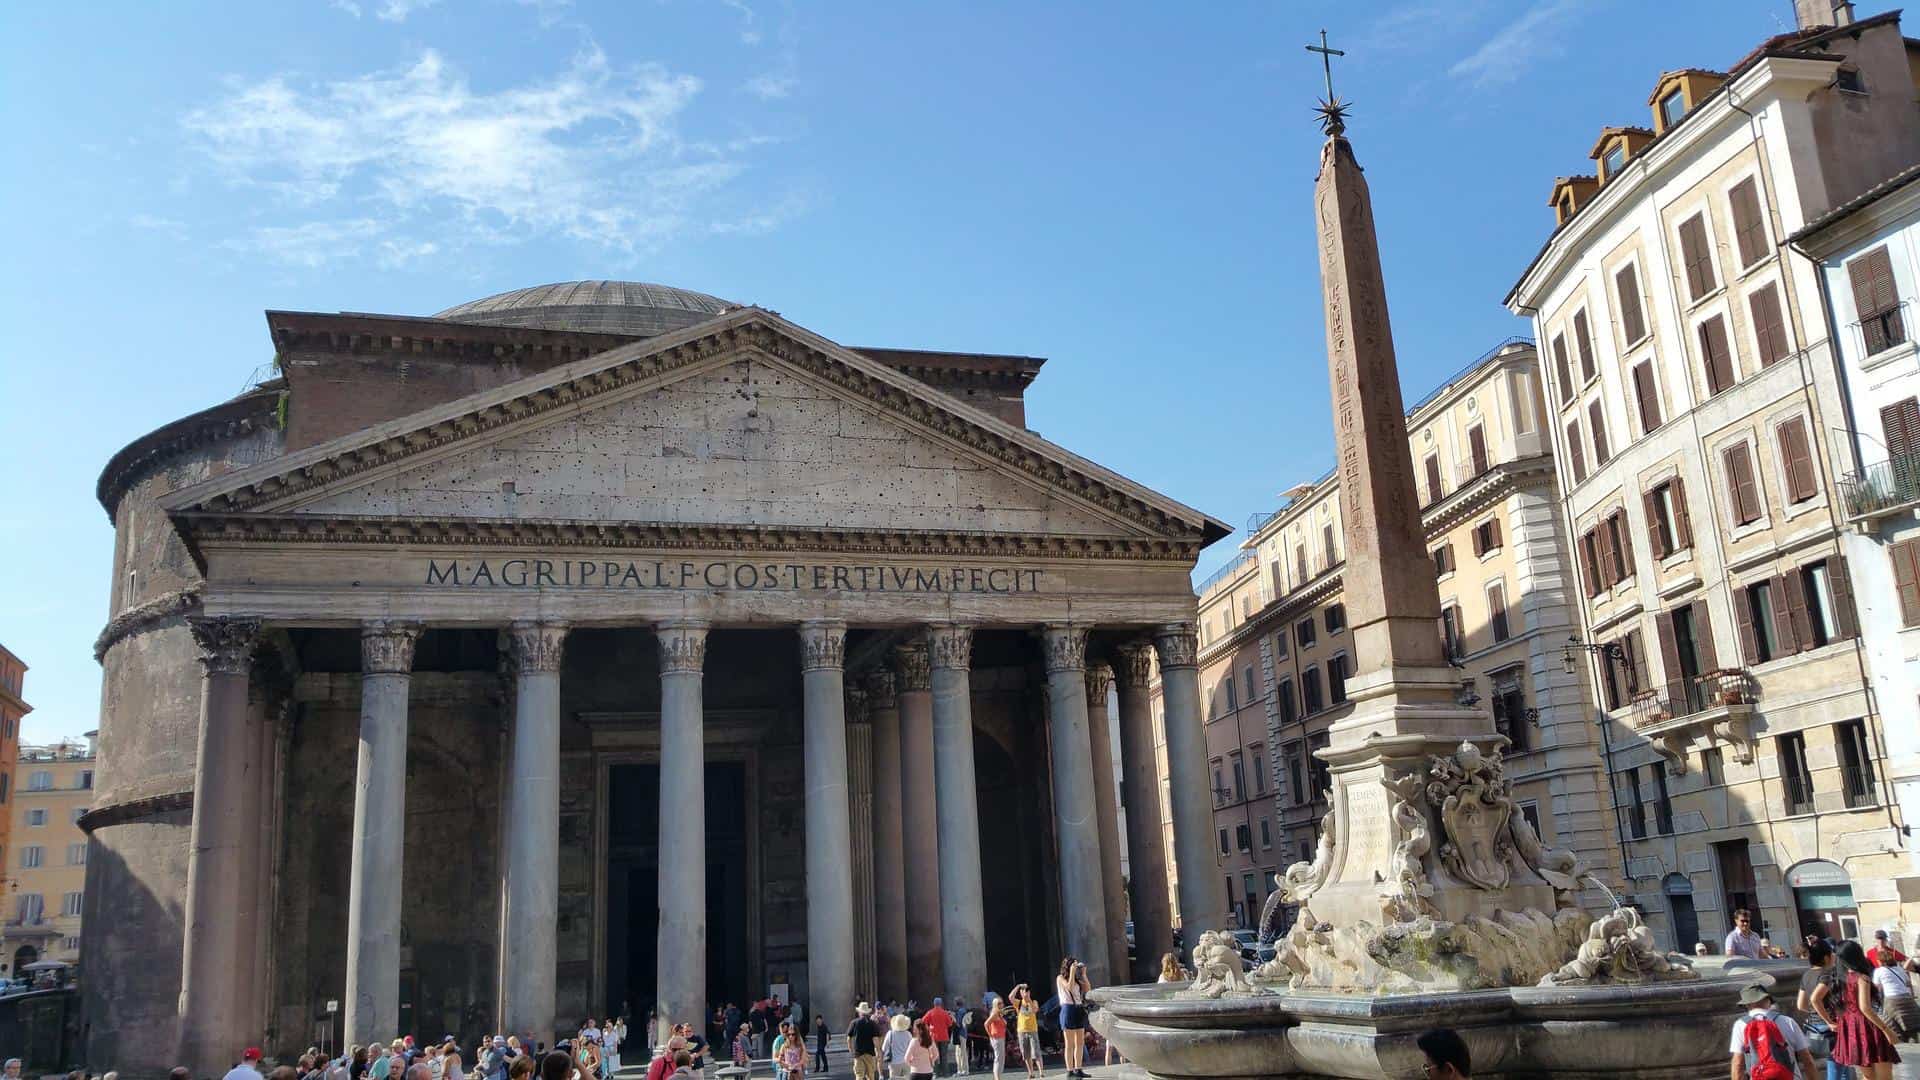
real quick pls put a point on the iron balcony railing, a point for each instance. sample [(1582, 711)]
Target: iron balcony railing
[(1799, 792), (1883, 485), (1687, 696), (1856, 783)]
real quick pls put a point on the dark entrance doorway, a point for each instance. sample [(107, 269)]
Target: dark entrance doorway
[(633, 888)]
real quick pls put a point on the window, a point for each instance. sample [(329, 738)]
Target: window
[(1477, 448), (1876, 300), (1224, 849), (1530, 812), (1486, 536), (1233, 696), (1497, 611), (1715, 357), (1856, 763), (1626, 289), (40, 781), (1577, 452), (1614, 160), (1667, 522), (1672, 108), (6, 782), (1303, 632), (30, 908), (1310, 690), (1769, 328), (1628, 798), (1322, 773), (1714, 765), (36, 818), (1259, 754), (1221, 794), (1591, 565), (1443, 560), (1626, 676), (1662, 805), (1300, 562), (1337, 678), (1596, 418), (1510, 710), (1749, 230), (1452, 632), (1327, 548), (1561, 372), (1246, 680), (70, 904), (1795, 779), (1583, 344), (1646, 395), (1335, 618), (1296, 775), (1754, 615), (1280, 643), (1906, 576), (1696, 257), (1243, 837), (1796, 459), (1434, 491), (1288, 713), (31, 856), (1829, 595), (1743, 489), (1239, 766), (1620, 545), (1266, 834), (86, 779), (76, 854), (1847, 80), (71, 944)]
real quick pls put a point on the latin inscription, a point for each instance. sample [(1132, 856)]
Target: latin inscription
[(1369, 832), (726, 574)]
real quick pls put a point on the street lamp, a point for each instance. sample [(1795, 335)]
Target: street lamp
[(1608, 651)]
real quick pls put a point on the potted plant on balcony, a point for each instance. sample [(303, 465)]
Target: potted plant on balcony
[(1731, 688)]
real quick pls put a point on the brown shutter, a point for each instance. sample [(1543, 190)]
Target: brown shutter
[(1769, 329), (1682, 521), (1604, 544), (1477, 445), (1577, 451), (1648, 396), (1590, 563), (1846, 621), (1743, 624), (1792, 627), (1560, 369), (1636, 662), (1433, 478), (1799, 460), (1623, 540), (1493, 533), (1655, 534), (1669, 650), (1873, 294), (1742, 490), (1900, 422), (1906, 578), (1749, 234), (1479, 548), (1714, 355), (1633, 323), (1695, 257), (1583, 341), (1598, 421), (1703, 638)]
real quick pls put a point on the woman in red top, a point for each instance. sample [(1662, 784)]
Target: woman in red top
[(997, 1033), (1860, 1038)]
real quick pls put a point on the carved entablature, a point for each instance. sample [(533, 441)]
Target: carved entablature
[(914, 667), (823, 645), (1178, 645), (226, 642), (386, 647), (683, 646), (536, 646), (950, 646), (880, 695), (1064, 647), (1099, 681)]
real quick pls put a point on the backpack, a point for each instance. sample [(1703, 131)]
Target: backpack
[(1767, 1054)]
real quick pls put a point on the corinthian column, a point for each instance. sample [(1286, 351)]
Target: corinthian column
[(860, 811), (1147, 892), (1083, 908), (919, 824), (375, 871), (1203, 900), (889, 856), (529, 963), (829, 855), (1107, 815), (682, 977), (963, 942), (214, 952)]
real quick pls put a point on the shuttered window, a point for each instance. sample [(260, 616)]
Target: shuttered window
[(1715, 357), (1900, 423), (1583, 341), (1797, 458), (1497, 611), (1646, 395), (1696, 259), (1769, 328), (1876, 300), (1906, 575), (1590, 561), (1561, 373), (1626, 287), (1433, 478), (1743, 490), (1622, 541), (1576, 451), (1596, 417), (1477, 446), (1749, 232)]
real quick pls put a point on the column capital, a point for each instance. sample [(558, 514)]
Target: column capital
[(683, 645), (950, 646), (1177, 645), (857, 705), (386, 646), (1099, 680), (1135, 667), (1065, 646), (880, 695), (226, 642), (536, 646), (913, 665), (823, 644)]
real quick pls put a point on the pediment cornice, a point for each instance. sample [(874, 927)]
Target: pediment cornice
[(276, 485)]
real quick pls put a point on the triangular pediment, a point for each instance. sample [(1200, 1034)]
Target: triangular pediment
[(746, 421)]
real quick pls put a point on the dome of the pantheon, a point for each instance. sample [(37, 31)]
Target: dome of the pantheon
[(607, 307)]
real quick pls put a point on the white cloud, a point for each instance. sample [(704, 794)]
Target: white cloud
[(593, 154), (398, 10), (771, 87), (348, 6), (749, 21), (1527, 40)]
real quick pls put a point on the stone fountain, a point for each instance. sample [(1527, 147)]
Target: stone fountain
[(1430, 901)]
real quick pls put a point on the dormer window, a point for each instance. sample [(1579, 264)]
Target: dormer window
[(1673, 107), (1615, 160), (1847, 80)]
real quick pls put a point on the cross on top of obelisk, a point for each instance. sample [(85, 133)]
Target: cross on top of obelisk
[(1333, 111)]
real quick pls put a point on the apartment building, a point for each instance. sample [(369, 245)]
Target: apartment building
[(13, 708), (1275, 652), (1697, 425), (47, 868)]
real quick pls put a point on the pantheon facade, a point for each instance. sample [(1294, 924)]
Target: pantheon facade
[(601, 647)]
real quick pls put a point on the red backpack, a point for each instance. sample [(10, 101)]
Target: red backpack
[(1767, 1053)]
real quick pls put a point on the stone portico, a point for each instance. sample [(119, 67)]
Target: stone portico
[(549, 673)]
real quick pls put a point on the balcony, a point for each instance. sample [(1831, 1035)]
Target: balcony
[(1716, 707), (1856, 785), (1883, 487)]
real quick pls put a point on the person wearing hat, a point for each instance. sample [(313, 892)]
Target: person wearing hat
[(1766, 1043), (249, 1067), (863, 1039)]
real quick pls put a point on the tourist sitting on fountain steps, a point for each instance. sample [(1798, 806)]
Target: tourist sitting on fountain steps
[(1766, 1043)]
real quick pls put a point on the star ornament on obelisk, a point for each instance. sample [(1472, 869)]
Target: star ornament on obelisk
[(1332, 111)]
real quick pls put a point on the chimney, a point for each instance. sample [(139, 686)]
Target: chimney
[(1811, 13)]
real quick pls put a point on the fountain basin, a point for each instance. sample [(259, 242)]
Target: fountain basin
[(1656, 1031)]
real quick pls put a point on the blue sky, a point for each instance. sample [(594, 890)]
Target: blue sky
[(1122, 188)]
